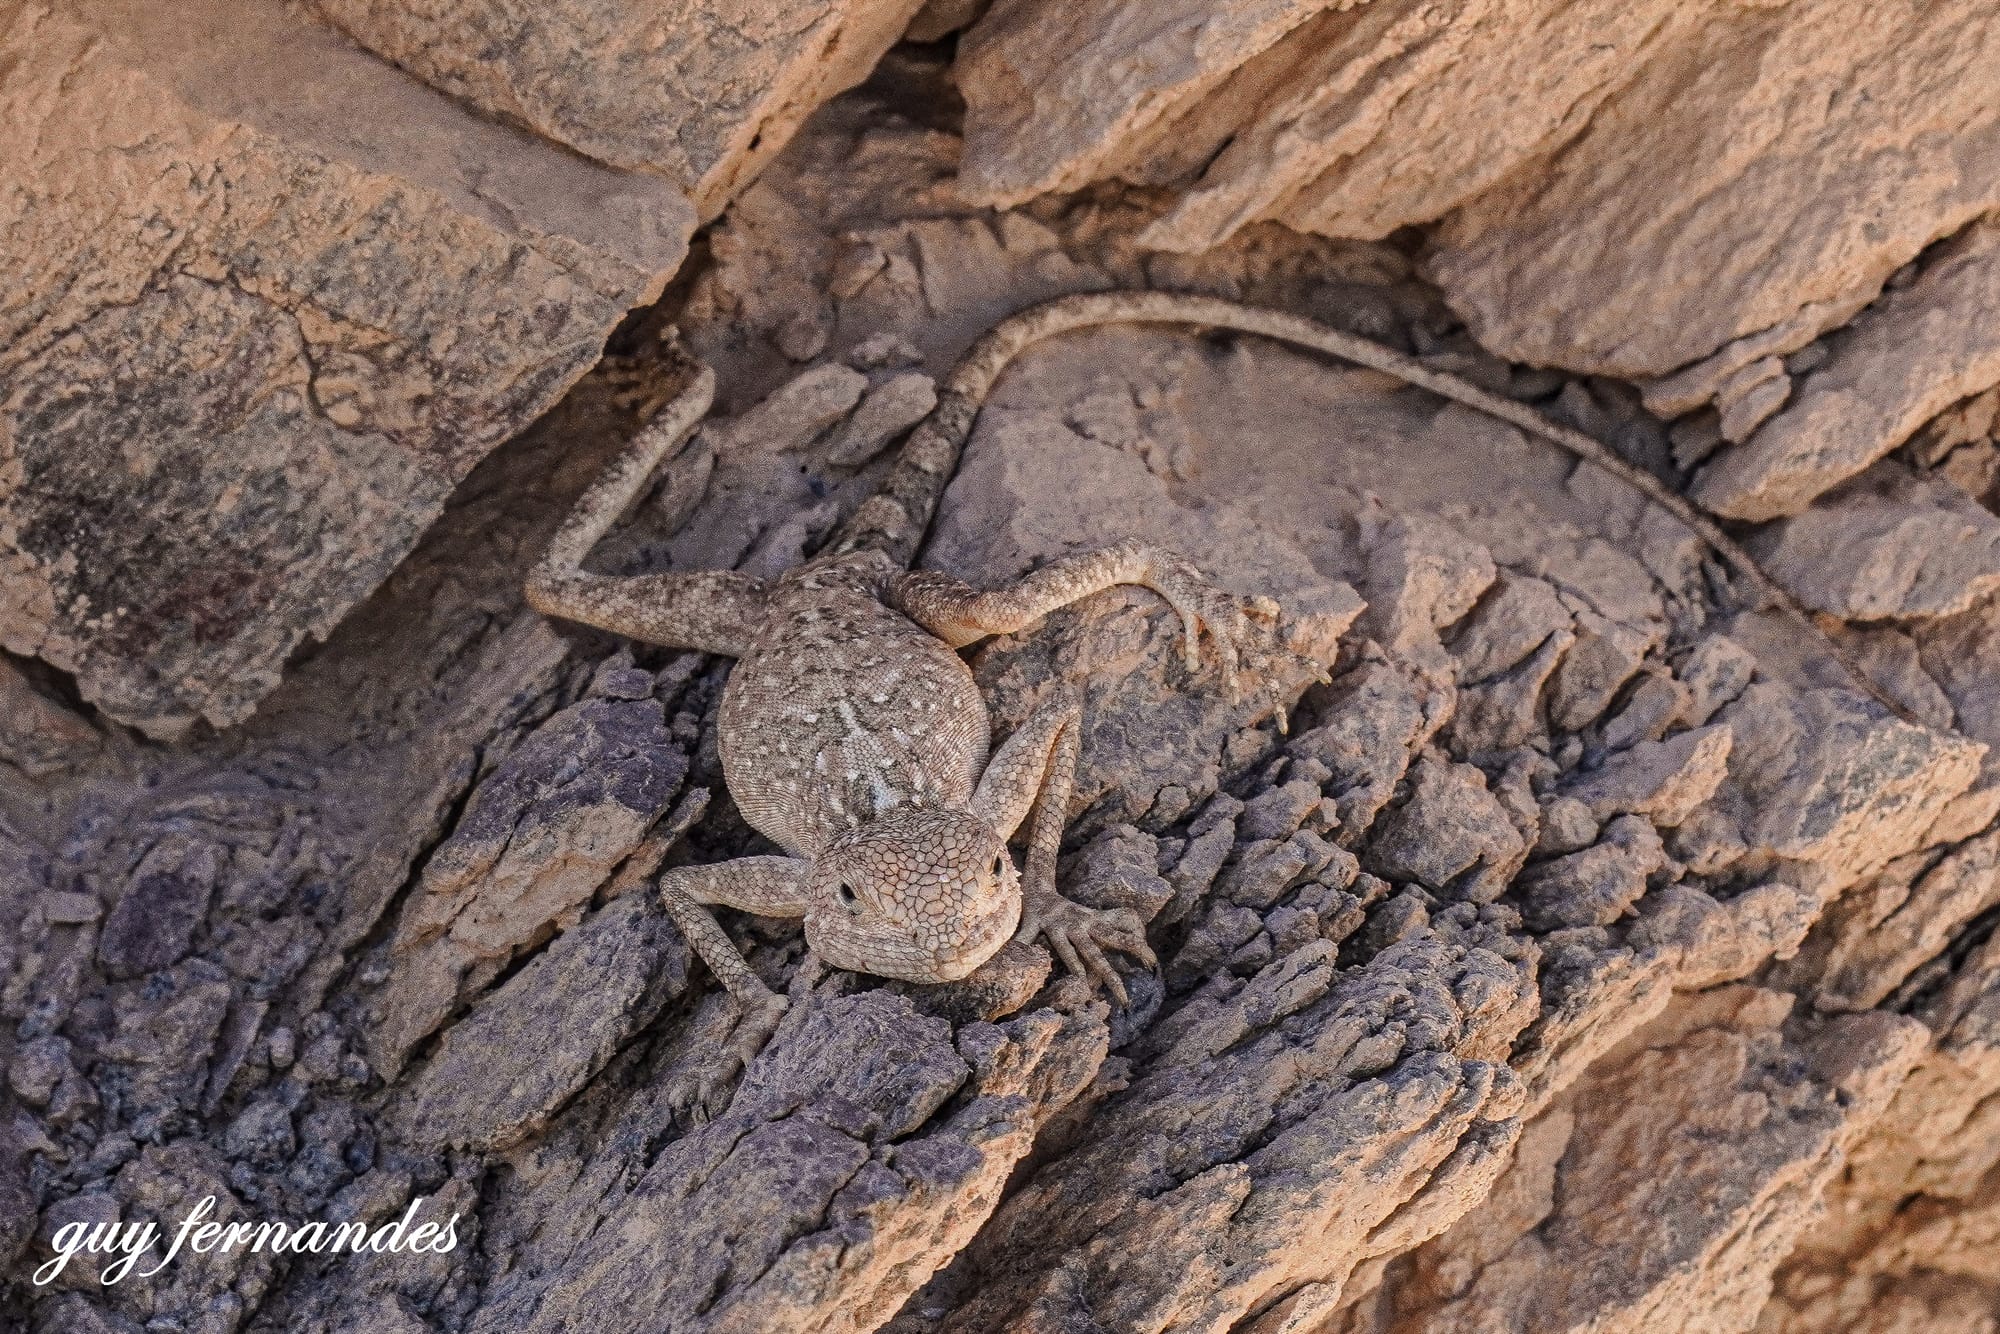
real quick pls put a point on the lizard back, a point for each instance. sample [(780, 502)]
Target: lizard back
[(845, 709)]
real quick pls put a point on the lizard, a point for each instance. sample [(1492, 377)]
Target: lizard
[(851, 731)]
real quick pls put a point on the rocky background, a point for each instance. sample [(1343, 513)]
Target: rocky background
[(1589, 955)]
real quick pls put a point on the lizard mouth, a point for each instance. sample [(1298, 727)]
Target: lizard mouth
[(993, 933)]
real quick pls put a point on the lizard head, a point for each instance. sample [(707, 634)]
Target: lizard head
[(921, 895)]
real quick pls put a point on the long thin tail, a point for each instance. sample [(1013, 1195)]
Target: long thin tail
[(894, 520)]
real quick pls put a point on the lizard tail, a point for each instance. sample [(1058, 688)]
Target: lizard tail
[(894, 520)]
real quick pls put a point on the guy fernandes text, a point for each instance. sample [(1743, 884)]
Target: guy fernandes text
[(133, 1243)]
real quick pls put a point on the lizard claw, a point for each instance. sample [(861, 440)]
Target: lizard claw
[(1229, 620), (1079, 936), (703, 1092)]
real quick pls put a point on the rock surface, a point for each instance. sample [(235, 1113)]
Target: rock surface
[(267, 301), (1572, 148), (701, 92), (1587, 954)]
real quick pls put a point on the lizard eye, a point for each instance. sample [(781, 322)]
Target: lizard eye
[(847, 898)]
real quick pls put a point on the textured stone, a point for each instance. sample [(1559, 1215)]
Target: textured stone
[(1339, 1104), (1662, 780), (1908, 1238), (1452, 835), (1889, 545), (1815, 776), (1055, 87), (266, 301), (1383, 1082), (537, 839), (1669, 1210), (702, 92), (1877, 934), (560, 1018), (1571, 149), (1905, 359), (863, 1151), (1711, 131), (1594, 887)]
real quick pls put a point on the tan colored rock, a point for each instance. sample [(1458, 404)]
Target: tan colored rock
[(1662, 780), (266, 301), (539, 836), (1384, 1104), (702, 92), (1817, 776), (1666, 200), (1669, 1210), (1907, 358), (840, 1177), (1913, 1223), (1053, 90), (1304, 96), (1451, 835), (1572, 150), (559, 1019), (1875, 936), (1891, 544)]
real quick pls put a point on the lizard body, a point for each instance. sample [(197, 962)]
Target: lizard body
[(852, 733)]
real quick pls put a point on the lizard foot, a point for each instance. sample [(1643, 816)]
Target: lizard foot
[(703, 1092), (1079, 936), (1233, 623)]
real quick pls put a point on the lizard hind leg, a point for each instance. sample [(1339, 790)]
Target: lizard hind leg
[(770, 886), (708, 610), (1033, 774)]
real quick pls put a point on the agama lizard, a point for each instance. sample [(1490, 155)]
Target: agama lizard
[(851, 732)]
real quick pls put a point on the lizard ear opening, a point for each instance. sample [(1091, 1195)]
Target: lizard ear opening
[(848, 899)]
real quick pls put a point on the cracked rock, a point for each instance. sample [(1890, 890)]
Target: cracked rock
[(268, 301)]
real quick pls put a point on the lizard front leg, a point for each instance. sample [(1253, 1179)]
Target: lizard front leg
[(960, 614), (768, 886), (1035, 771)]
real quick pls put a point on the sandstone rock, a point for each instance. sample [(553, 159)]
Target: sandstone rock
[(1715, 671), (1597, 886), (1596, 667), (1046, 117), (1512, 620), (1875, 936), (1450, 835), (1891, 544), (892, 407), (702, 92), (267, 301), (883, 1145), (1662, 780), (1907, 1235), (1340, 1103), (1794, 776), (1680, 131), (1136, 1225), (1422, 576), (1559, 1244), (1908, 357), (559, 1020), (1380, 718), (1562, 130)]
